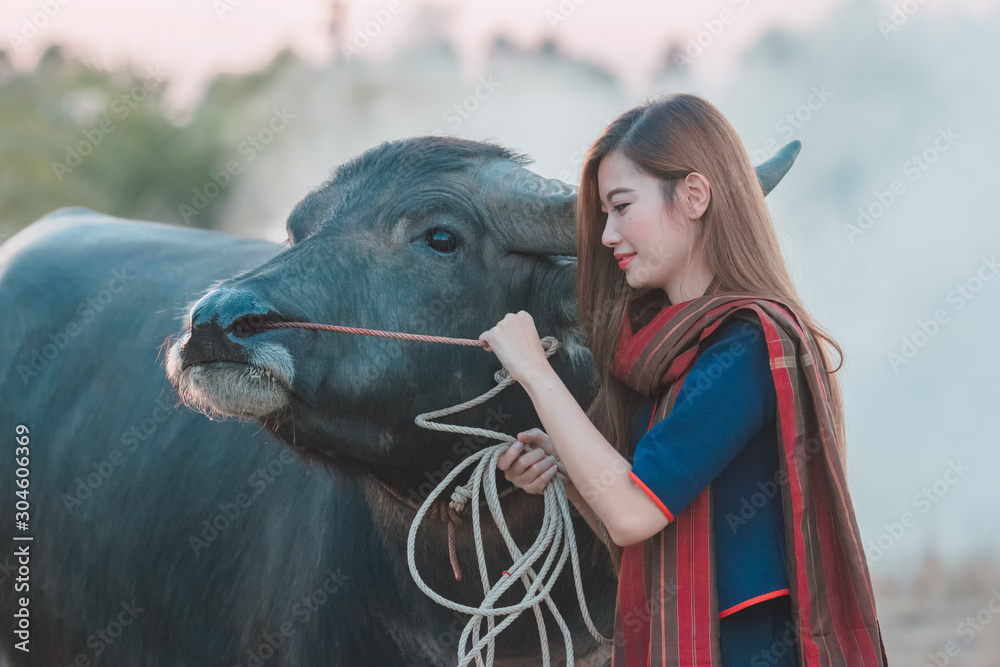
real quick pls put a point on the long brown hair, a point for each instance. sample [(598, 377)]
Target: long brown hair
[(668, 138)]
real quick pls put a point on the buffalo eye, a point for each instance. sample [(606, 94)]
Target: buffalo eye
[(442, 240)]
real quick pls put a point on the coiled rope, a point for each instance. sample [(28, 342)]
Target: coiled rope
[(556, 529)]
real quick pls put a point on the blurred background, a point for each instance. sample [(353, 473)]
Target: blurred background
[(224, 113)]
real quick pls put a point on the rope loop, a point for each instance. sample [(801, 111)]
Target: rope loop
[(556, 530)]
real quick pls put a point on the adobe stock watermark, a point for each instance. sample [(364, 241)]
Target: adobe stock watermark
[(461, 449), (100, 471), (959, 295), (712, 30), (460, 111), (641, 616), (786, 643), (654, 257), (434, 651), (100, 640), (364, 35), (229, 513), (270, 643), (720, 361), (915, 167), (969, 629), (32, 24), (248, 149), (224, 7), (923, 501), (595, 486), (86, 311), (576, 163), (562, 12), (369, 369), (768, 489), (898, 17), (119, 109), (792, 121)]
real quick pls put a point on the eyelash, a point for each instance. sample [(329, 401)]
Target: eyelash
[(617, 207)]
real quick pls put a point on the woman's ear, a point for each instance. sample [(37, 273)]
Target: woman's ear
[(697, 193)]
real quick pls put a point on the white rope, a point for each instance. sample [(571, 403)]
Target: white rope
[(556, 530)]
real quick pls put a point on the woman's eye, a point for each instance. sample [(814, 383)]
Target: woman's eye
[(620, 207)]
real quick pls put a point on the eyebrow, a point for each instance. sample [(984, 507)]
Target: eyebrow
[(612, 193)]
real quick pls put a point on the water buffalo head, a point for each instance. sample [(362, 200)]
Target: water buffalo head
[(430, 235)]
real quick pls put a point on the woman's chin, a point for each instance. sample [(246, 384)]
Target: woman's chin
[(635, 279)]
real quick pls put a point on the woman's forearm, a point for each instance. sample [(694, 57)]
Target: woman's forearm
[(585, 510), (596, 468)]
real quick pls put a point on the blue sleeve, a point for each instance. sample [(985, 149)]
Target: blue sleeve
[(726, 398)]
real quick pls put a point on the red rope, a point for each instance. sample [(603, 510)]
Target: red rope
[(372, 332), (453, 556)]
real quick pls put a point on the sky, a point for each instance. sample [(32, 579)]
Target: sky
[(192, 40)]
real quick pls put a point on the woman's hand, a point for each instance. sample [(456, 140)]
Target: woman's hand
[(516, 343), (534, 470)]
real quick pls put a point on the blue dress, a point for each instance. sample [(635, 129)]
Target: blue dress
[(723, 431)]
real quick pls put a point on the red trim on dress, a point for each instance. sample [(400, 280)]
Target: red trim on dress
[(746, 603), (663, 508)]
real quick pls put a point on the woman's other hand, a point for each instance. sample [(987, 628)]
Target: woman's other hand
[(531, 471)]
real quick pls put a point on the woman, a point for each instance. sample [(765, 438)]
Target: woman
[(711, 460)]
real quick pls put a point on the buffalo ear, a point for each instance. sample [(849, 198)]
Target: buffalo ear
[(770, 173), (537, 215)]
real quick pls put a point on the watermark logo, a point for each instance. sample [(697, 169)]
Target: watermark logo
[(362, 38), (915, 168), (248, 149), (460, 111), (923, 501), (900, 16), (120, 108), (961, 294), (32, 25), (87, 311), (792, 121), (712, 30)]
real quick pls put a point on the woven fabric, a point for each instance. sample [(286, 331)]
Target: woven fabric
[(667, 613)]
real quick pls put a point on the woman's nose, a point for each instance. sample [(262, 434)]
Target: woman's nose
[(610, 235)]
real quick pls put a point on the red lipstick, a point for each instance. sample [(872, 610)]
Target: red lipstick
[(624, 260)]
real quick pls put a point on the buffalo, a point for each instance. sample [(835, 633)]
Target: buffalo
[(204, 491)]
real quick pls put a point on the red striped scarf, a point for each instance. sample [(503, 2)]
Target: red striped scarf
[(667, 612)]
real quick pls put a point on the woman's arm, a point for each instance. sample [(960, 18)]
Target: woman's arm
[(586, 511), (731, 400), (596, 469)]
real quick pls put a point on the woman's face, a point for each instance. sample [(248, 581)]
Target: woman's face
[(640, 224)]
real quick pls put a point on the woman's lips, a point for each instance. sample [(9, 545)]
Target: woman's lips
[(625, 261)]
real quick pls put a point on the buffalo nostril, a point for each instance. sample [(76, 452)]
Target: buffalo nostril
[(243, 329), (224, 306), (253, 323)]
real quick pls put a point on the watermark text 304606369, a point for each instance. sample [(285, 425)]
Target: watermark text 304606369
[(22, 540)]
